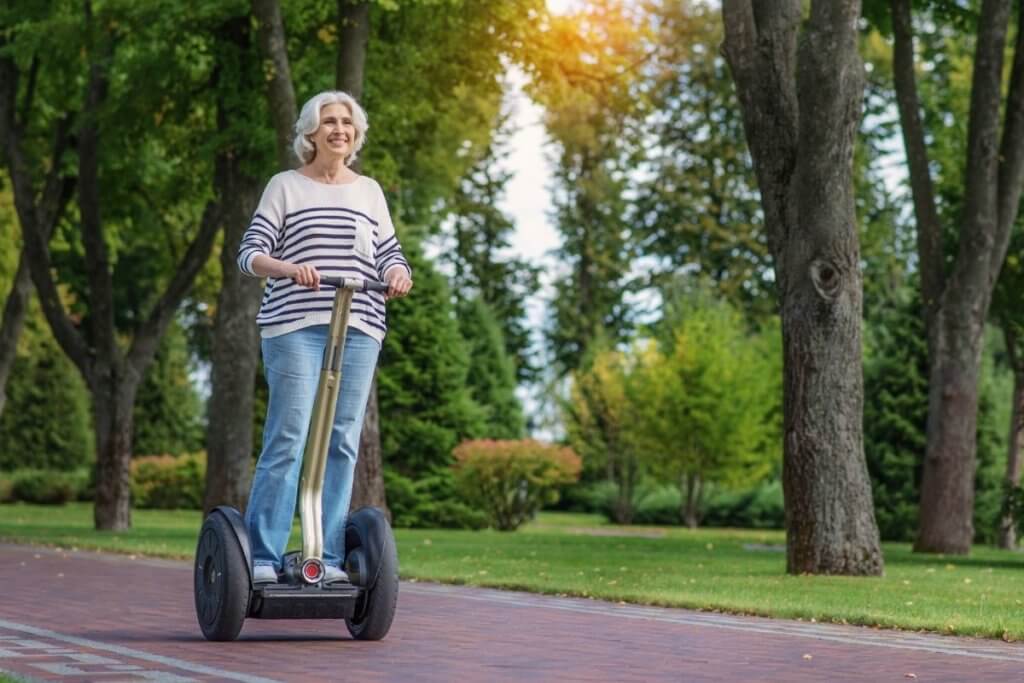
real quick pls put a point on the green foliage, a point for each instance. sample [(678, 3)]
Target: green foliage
[(512, 480), (698, 207), (426, 406), (168, 482), (431, 502), (491, 377), (896, 412), (584, 76), (46, 422), (599, 421), (708, 401), (168, 409), (476, 250), (40, 486)]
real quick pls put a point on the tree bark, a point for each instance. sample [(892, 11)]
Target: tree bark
[(995, 175), (369, 484), (1015, 443), (353, 37), (280, 91), (801, 107), (691, 485), (235, 353), (113, 398)]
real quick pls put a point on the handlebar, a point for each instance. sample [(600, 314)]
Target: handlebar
[(354, 283)]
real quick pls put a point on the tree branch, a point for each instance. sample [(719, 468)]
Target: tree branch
[(274, 51), (929, 229), (981, 190), (36, 248), (101, 286), (760, 47), (1011, 153), (147, 336)]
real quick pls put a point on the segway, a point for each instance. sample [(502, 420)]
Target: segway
[(224, 591)]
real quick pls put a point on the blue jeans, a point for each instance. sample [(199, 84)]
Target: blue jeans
[(292, 362)]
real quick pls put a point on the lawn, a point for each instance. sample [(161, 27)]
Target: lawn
[(736, 571)]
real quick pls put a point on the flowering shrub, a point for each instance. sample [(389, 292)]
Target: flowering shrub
[(511, 480)]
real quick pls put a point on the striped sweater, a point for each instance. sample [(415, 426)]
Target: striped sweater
[(343, 230)]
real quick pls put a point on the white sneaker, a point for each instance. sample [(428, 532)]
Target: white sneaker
[(334, 574), (264, 573)]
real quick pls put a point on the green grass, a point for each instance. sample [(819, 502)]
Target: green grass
[(736, 571)]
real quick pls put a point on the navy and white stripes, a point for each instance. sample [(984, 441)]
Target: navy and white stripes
[(342, 230)]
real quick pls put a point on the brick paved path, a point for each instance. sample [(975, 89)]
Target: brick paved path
[(81, 616)]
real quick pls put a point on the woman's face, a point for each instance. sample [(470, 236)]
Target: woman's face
[(336, 134)]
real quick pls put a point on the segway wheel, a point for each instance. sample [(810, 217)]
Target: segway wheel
[(375, 610), (221, 580)]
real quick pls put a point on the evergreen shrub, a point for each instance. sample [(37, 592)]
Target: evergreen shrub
[(168, 482), (42, 487), (512, 480), (430, 503)]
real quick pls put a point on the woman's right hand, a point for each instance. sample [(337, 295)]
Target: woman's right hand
[(305, 275)]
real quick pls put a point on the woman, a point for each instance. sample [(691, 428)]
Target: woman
[(320, 218)]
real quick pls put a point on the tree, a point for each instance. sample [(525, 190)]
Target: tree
[(1008, 309), (479, 240), (800, 86), (585, 82), (423, 387), (599, 420), (491, 377), (168, 413), (697, 208), (704, 403), (234, 351), (112, 373), (957, 299)]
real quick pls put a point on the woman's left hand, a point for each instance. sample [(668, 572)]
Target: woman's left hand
[(399, 282)]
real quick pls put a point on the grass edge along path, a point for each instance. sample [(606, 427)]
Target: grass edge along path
[(736, 571)]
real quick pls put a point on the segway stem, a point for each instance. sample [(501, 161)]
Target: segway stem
[(314, 461)]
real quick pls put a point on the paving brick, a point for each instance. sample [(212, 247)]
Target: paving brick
[(111, 618)]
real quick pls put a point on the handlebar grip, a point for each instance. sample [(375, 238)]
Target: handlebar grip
[(354, 283)]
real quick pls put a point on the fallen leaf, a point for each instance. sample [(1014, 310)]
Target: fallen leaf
[(808, 657), (909, 675)]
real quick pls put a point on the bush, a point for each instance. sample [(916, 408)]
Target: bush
[(758, 508), (45, 423), (43, 487), (658, 506), (168, 482), (511, 480), (6, 488), (429, 503)]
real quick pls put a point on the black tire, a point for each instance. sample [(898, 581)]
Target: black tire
[(376, 609), (221, 580)]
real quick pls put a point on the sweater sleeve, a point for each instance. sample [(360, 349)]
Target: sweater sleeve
[(389, 251), (265, 228)]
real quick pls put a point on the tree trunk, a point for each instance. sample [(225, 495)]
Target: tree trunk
[(1015, 443), (994, 178), (280, 91), (235, 353), (235, 356), (113, 399), (15, 309), (947, 478), (368, 489), (353, 36), (801, 108), (690, 512)]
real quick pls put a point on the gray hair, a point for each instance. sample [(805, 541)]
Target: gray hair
[(309, 121)]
